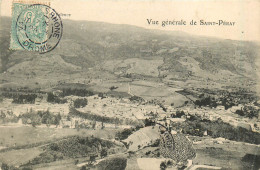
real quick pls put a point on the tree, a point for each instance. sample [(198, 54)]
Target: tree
[(50, 97), (4, 166), (57, 119), (103, 153), (101, 95), (113, 88), (83, 168), (94, 125), (76, 161), (35, 120), (2, 116), (124, 134), (80, 103), (92, 159), (163, 166)]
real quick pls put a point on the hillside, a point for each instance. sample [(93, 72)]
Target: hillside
[(95, 50)]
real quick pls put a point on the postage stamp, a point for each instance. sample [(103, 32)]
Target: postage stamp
[(35, 27)]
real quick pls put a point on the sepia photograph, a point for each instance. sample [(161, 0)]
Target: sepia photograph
[(129, 85)]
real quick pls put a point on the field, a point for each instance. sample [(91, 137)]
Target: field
[(134, 66), (58, 165), (25, 143), (19, 109), (25, 135), (19, 157), (228, 154), (142, 138), (209, 152), (148, 90)]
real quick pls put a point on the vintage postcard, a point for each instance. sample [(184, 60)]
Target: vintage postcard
[(129, 85)]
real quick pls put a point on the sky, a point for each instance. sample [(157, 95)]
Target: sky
[(245, 14)]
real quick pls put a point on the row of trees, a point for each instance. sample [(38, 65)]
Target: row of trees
[(24, 98), (121, 135), (104, 119), (8, 117), (51, 98), (41, 117), (197, 126), (89, 116), (77, 92), (213, 103)]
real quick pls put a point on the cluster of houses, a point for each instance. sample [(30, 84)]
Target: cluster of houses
[(125, 109)]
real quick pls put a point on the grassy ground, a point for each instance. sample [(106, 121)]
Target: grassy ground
[(20, 139), (24, 135), (57, 165), (18, 157), (227, 155)]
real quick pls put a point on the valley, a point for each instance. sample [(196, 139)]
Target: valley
[(99, 99)]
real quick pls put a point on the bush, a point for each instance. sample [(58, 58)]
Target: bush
[(163, 166), (252, 160), (149, 122), (76, 92), (218, 128), (78, 103), (46, 157), (113, 88), (103, 153), (179, 114), (72, 147), (124, 134), (83, 168), (136, 99), (248, 111), (101, 95), (206, 101), (156, 143), (51, 98), (24, 98)]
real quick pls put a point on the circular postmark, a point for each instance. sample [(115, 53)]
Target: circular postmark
[(39, 28)]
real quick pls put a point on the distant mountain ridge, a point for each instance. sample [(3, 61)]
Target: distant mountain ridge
[(87, 44)]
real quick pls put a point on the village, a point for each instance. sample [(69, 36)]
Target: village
[(123, 108)]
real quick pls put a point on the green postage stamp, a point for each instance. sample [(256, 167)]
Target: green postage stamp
[(35, 27)]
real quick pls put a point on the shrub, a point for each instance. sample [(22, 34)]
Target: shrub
[(103, 153), (124, 134), (156, 143), (113, 88), (24, 98), (51, 98), (80, 103), (101, 95), (248, 111), (83, 168), (218, 128), (136, 99), (163, 165), (76, 92), (179, 114)]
